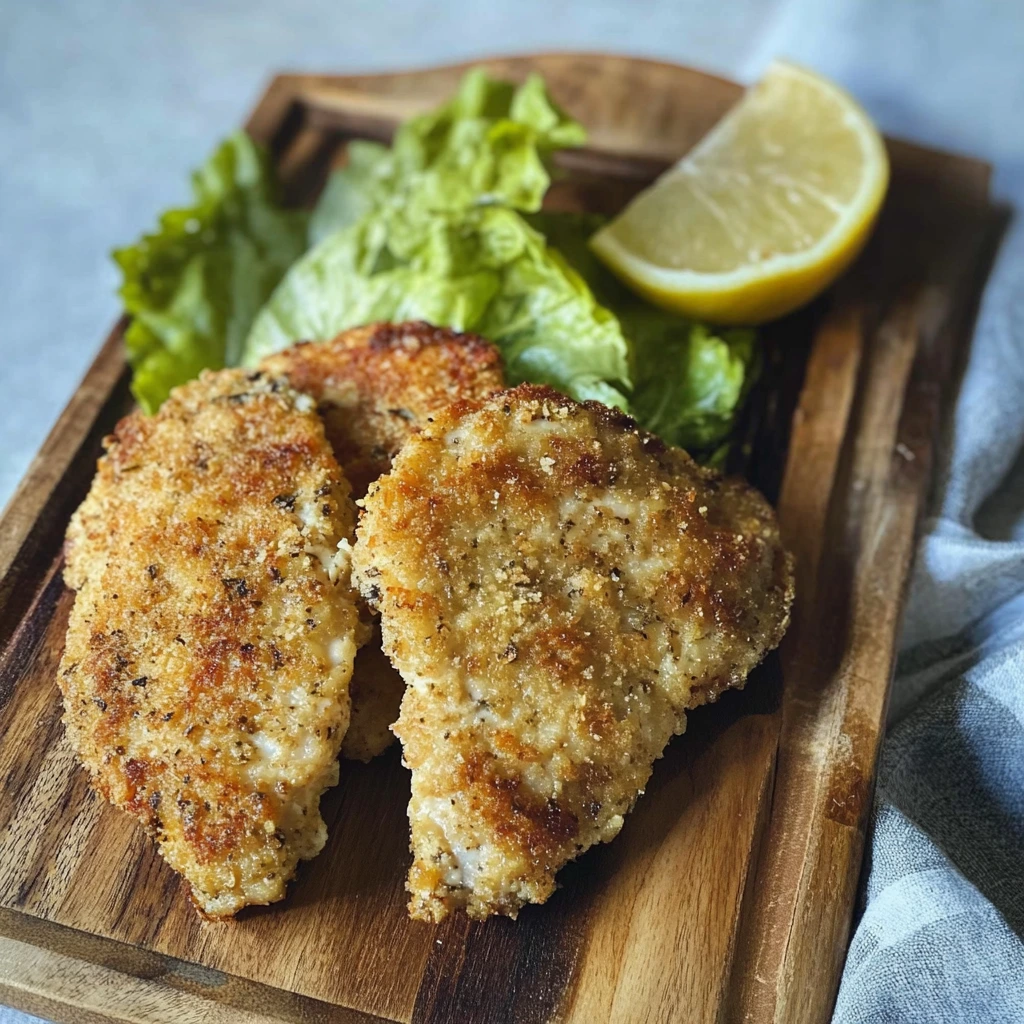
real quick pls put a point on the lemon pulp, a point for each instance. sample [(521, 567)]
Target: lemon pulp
[(765, 212)]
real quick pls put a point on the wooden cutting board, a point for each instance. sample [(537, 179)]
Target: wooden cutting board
[(728, 895)]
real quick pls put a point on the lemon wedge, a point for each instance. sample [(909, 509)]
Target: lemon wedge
[(766, 210)]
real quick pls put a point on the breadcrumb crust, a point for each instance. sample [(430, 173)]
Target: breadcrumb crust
[(557, 588), (209, 651)]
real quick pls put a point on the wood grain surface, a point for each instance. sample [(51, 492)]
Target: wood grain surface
[(729, 893)]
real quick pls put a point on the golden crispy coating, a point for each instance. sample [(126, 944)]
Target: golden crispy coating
[(557, 588), (374, 387), (209, 651)]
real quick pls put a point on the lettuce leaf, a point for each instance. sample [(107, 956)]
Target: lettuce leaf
[(484, 270), (690, 387), (429, 229), (194, 286), (434, 229), (489, 145), (444, 226), (354, 190), (689, 380)]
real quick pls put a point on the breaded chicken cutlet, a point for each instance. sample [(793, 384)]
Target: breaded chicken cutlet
[(374, 387), (209, 651), (557, 588)]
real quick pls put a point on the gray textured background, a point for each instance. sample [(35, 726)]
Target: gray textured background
[(105, 105)]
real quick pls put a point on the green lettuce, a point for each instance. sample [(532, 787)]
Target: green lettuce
[(690, 386), (489, 145), (444, 225), (353, 191), (194, 286), (485, 270), (689, 380), (430, 229)]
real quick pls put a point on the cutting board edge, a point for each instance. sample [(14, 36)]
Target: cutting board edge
[(77, 977)]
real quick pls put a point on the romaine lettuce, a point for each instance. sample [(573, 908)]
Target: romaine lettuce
[(485, 270), (194, 286), (443, 225), (429, 230), (688, 380), (488, 145)]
